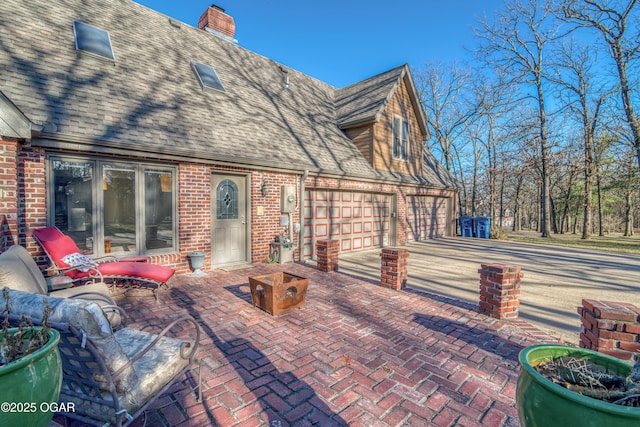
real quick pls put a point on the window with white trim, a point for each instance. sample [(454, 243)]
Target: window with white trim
[(112, 207), (400, 138)]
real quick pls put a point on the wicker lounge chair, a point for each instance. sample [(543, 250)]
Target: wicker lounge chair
[(67, 258), (110, 377)]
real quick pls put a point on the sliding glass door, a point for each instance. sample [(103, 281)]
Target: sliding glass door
[(129, 210)]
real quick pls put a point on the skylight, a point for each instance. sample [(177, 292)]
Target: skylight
[(93, 40), (207, 76)]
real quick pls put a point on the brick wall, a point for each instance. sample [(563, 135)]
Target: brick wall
[(23, 201), (23, 182), (8, 193), (265, 211), (194, 206), (32, 195)]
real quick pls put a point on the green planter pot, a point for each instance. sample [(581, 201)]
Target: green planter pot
[(541, 403), (30, 385)]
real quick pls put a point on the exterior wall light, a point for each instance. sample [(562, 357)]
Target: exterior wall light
[(264, 190)]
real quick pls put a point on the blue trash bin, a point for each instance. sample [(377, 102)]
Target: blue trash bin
[(482, 226), (466, 226)]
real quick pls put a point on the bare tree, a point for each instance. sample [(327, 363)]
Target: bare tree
[(610, 19), (442, 92), (585, 102), (516, 42), (627, 180), (492, 97)]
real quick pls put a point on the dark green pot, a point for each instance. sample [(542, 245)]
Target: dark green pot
[(541, 403), (29, 385)]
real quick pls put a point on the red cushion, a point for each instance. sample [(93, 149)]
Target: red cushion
[(155, 272), (59, 245), (56, 244)]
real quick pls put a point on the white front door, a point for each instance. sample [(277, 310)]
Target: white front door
[(229, 220)]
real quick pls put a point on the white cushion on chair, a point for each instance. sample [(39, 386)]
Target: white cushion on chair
[(84, 315), (81, 261), (154, 369)]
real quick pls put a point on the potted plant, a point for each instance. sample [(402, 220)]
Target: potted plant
[(543, 399), (30, 370)]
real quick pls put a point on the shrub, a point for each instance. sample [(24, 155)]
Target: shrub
[(497, 233)]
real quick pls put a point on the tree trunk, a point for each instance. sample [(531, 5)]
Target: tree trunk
[(628, 214), (625, 92), (554, 219), (474, 188), (516, 208), (539, 219), (588, 196), (501, 210), (567, 202), (546, 199), (599, 191)]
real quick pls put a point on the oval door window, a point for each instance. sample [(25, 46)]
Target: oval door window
[(227, 200)]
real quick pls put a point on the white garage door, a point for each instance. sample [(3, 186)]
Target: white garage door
[(427, 217), (358, 220)]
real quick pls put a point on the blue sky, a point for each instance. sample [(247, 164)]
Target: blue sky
[(342, 42)]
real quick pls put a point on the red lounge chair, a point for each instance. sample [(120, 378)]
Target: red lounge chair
[(67, 258)]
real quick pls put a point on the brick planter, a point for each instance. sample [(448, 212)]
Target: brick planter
[(394, 265), (327, 252), (608, 327), (500, 290)]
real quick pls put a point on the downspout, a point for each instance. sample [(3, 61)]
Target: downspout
[(301, 233)]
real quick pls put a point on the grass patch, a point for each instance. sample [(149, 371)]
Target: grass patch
[(611, 243)]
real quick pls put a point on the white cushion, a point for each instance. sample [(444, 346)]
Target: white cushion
[(83, 262)]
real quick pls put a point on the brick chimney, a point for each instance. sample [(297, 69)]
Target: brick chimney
[(215, 20)]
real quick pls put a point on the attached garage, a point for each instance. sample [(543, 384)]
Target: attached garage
[(428, 217), (359, 220)]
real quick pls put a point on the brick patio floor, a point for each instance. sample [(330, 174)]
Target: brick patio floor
[(356, 354)]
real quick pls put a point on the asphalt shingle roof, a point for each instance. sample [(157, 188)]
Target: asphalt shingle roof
[(364, 102), (149, 99)]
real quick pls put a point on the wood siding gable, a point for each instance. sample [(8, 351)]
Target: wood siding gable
[(400, 105), (374, 136)]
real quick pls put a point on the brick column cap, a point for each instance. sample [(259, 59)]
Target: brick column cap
[(498, 270), (611, 310), (395, 252)]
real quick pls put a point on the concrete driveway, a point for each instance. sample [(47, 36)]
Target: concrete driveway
[(554, 283)]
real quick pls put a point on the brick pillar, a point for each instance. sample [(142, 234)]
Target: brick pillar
[(500, 290), (327, 252), (612, 328), (393, 268)]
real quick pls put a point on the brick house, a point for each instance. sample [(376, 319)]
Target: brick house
[(138, 134)]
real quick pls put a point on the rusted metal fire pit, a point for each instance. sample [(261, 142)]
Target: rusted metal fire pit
[(278, 293)]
